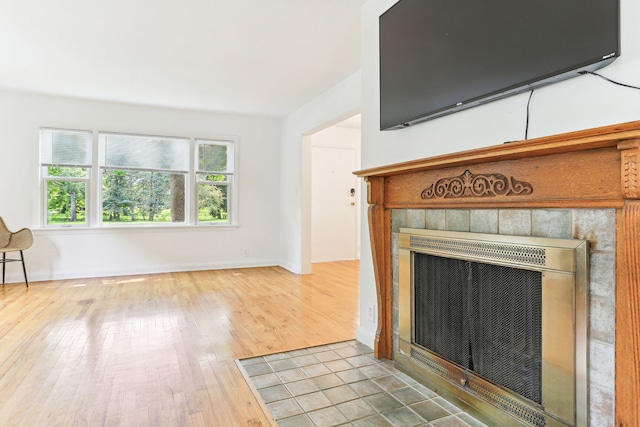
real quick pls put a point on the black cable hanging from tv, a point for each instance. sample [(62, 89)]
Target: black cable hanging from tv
[(609, 80), (526, 129)]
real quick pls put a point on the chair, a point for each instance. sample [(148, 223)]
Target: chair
[(14, 242)]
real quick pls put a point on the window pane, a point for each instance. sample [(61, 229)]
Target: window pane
[(66, 202), (212, 157), (144, 152), (215, 156), (213, 203), (142, 197), (61, 147), (67, 172), (212, 177)]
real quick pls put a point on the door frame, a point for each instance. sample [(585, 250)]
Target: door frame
[(305, 193)]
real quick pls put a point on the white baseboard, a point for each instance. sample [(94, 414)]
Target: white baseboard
[(295, 269), (38, 276), (366, 337)]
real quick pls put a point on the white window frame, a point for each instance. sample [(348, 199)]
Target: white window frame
[(230, 172), (45, 178), (93, 183), (181, 167)]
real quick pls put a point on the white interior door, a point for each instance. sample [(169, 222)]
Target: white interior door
[(333, 204)]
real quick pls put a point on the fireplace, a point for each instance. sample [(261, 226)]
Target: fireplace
[(497, 321), (581, 185)]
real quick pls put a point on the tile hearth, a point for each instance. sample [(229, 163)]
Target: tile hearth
[(343, 384)]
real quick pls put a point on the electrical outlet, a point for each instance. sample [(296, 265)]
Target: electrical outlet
[(371, 313), (246, 252)]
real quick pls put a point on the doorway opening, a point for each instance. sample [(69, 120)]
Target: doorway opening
[(334, 192)]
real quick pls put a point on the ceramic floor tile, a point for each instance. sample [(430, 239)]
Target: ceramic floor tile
[(302, 420), (316, 370), (296, 353), (252, 361), (363, 348), (374, 421), (345, 352), (406, 378), (390, 383), (355, 409), (450, 421), (327, 356), (342, 384), (429, 410), (408, 395), (340, 394), (327, 417), (404, 417), (282, 365), (272, 394), (351, 376), (276, 356), (359, 361), (318, 349), (291, 375), (374, 371), (365, 388), (258, 369), (266, 380), (312, 401), (328, 381), (388, 365), (338, 365), (383, 402), (306, 360), (284, 408), (298, 388), (340, 345), (425, 390)]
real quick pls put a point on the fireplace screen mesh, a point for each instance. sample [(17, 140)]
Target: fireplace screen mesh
[(486, 318)]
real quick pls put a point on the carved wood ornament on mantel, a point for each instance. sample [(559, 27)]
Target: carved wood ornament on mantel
[(472, 185), (630, 158), (588, 169)]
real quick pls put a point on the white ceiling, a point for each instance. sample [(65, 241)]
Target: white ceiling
[(264, 57)]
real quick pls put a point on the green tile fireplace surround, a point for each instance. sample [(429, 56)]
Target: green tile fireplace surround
[(598, 225)]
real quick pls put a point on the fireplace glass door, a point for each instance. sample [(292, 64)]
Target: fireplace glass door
[(497, 321), (486, 318)]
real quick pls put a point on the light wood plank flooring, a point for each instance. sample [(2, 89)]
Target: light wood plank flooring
[(159, 350)]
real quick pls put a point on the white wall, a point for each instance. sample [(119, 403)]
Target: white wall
[(579, 103), (98, 252), (337, 137), (338, 103), (340, 138)]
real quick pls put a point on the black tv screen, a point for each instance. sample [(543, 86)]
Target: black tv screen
[(441, 56)]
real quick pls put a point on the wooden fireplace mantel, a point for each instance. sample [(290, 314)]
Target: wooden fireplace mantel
[(594, 168)]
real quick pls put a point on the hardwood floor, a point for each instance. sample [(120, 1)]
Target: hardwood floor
[(159, 350)]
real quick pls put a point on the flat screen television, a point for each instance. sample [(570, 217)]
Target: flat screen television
[(441, 56)]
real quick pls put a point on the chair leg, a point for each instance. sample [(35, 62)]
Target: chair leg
[(24, 270), (4, 264)]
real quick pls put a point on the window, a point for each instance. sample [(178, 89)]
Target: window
[(143, 179), (214, 176), (65, 158), (136, 179)]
